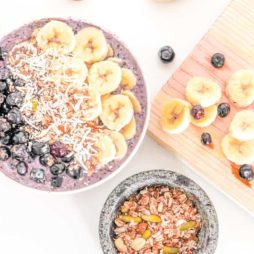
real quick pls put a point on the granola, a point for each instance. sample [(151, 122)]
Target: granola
[(157, 220)]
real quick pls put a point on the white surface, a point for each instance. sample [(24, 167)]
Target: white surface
[(32, 222)]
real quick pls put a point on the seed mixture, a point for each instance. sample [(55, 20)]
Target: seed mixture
[(157, 220)]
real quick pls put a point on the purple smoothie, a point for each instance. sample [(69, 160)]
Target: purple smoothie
[(24, 33)]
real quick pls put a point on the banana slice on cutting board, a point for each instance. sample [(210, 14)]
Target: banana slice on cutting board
[(237, 151), (106, 148), (105, 76), (120, 144), (117, 112), (129, 131), (135, 103), (129, 80), (175, 116), (242, 125), (91, 45), (240, 88), (56, 35), (202, 91), (209, 117)]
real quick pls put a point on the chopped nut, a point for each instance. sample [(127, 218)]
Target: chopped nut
[(120, 245), (147, 234), (128, 219), (141, 228), (138, 244), (170, 250), (151, 218)]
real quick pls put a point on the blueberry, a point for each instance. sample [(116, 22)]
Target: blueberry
[(218, 60), (22, 168), (20, 137), (4, 73), (206, 139), (14, 99), (38, 175), (40, 148), (74, 171), (197, 112), (6, 139), (68, 158), (4, 125), (2, 98), (223, 109), (246, 172), (4, 153), (3, 87), (58, 149), (4, 109), (19, 152), (47, 160), (57, 168), (166, 54), (14, 116), (2, 54), (56, 181)]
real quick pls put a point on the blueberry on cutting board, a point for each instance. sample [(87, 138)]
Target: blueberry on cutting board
[(166, 54)]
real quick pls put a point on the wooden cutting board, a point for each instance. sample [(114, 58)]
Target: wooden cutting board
[(233, 35)]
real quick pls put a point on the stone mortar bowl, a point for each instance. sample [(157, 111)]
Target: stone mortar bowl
[(208, 234)]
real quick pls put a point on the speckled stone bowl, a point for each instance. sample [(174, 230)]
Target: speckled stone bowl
[(208, 234)]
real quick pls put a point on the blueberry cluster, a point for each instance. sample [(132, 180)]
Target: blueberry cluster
[(16, 145)]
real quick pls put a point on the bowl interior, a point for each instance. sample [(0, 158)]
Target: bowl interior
[(208, 234)]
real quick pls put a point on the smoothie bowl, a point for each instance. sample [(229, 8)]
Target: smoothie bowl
[(160, 212), (73, 105)]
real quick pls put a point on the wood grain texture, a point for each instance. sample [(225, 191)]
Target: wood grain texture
[(233, 35)]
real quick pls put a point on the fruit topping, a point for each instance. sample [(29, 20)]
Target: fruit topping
[(74, 170), (3, 87), (4, 153), (47, 160), (14, 116), (19, 82), (22, 168), (246, 172), (206, 138), (197, 112), (2, 54), (56, 181), (4, 126), (6, 139), (38, 175), (4, 109), (4, 73), (218, 60), (20, 152), (57, 168), (40, 148), (68, 158), (20, 137), (166, 54), (14, 99), (58, 149), (223, 109), (2, 98)]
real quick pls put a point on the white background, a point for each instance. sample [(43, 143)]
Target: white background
[(33, 222)]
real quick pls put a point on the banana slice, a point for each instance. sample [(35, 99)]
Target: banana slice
[(129, 131), (110, 51), (120, 144), (129, 80), (135, 103), (105, 76), (57, 35), (202, 91), (175, 116), (242, 125), (209, 117), (91, 45), (106, 149), (92, 107), (239, 152), (116, 60), (117, 111), (240, 88), (72, 71)]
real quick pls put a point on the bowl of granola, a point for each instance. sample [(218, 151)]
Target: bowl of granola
[(73, 105), (158, 211)]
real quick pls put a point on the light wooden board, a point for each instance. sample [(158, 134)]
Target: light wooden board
[(233, 35)]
